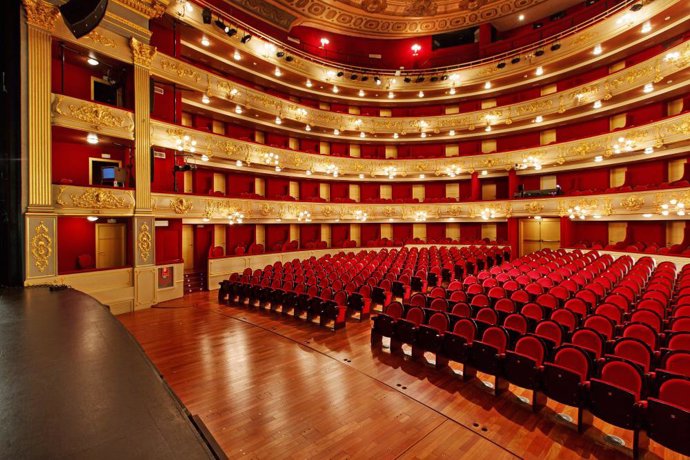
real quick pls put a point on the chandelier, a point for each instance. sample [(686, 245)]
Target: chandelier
[(272, 159), (672, 206), (390, 171), (453, 170), (332, 170), (235, 218), (488, 213), (623, 145)]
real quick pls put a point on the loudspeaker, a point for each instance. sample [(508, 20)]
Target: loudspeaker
[(82, 16)]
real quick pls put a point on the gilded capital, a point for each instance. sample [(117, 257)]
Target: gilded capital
[(40, 14), (143, 53)]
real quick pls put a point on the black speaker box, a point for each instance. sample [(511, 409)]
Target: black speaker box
[(82, 16)]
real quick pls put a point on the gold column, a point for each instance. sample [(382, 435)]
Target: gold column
[(143, 55), (40, 18)]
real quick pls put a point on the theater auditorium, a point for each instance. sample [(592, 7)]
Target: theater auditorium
[(345, 229)]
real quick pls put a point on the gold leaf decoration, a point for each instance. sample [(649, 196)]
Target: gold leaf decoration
[(632, 203), (41, 247), (181, 205), (95, 198), (144, 242), (143, 54)]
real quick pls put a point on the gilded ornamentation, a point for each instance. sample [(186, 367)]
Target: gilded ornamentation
[(149, 8), (142, 53), (144, 242), (97, 37), (180, 205), (181, 70), (96, 115), (41, 247), (94, 198), (534, 207), (41, 14)]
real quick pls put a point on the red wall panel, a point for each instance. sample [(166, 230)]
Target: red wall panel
[(339, 233), (309, 233), (434, 190), (402, 232), (71, 159), (169, 242), (435, 232), (243, 235), (276, 234), (203, 240), (369, 232)]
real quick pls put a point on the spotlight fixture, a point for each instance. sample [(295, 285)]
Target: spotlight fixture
[(444, 77), (92, 138), (501, 65), (433, 79), (280, 54), (365, 78), (555, 47), (515, 60), (245, 39), (353, 77), (230, 31), (289, 58), (92, 61), (636, 7), (539, 52), (378, 81), (220, 24), (407, 79), (340, 74), (206, 15), (419, 79)]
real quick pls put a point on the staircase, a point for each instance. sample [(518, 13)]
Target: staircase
[(194, 282)]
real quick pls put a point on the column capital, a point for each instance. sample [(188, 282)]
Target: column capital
[(149, 8), (143, 54), (41, 15)]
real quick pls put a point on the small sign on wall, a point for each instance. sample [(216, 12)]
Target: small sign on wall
[(158, 90), (159, 154)]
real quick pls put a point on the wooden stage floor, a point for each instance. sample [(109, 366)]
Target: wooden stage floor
[(267, 386)]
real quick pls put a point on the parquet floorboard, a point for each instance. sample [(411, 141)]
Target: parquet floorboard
[(274, 387)]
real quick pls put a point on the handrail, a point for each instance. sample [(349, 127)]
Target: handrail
[(391, 72)]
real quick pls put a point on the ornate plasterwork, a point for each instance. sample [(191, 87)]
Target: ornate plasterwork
[(97, 37), (181, 205), (142, 53), (41, 14), (383, 18), (632, 203), (549, 105), (94, 198), (97, 116), (228, 151), (149, 8), (144, 242), (41, 247)]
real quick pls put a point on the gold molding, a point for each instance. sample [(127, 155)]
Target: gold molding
[(96, 115), (144, 242), (97, 37), (95, 198), (632, 203), (181, 205), (41, 247), (41, 14), (142, 53), (149, 8)]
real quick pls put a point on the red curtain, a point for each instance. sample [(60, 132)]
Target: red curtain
[(369, 232), (276, 234), (519, 141), (369, 191), (239, 183), (308, 190), (339, 190), (309, 145), (435, 232), (647, 173), (202, 181), (277, 140), (309, 233), (339, 233), (276, 188), (470, 231), (434, 190), (240, 235), (590, 232), (169, 242), (402, 232), (402, 191), (585, 129), (203, 240)]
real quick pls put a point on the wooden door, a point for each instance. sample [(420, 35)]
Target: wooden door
[(110, 245), (188, 247), (539, 234)]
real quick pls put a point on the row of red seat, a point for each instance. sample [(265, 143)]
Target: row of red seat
[(622, 352)]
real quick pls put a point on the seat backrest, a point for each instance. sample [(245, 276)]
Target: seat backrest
[(648, 317), (466, 328), (577, 306), (533, 311), (480, 300), (634, 350), (462, 309), (497, 293), (505, 306), (439, 304), (496, 337), (565, 318), (643, 332), (520, 296), (574, 360), (675, 392), (532, 347), (458, 296), (588, 339), (551, 330), (679, 341), (516, 322), (623, 375), (610, 311), (418, 300), (394, 310), (601, 324), (678, 362), (438, 292), (487, 316), (415, 315), (548, 301), (439, 321)]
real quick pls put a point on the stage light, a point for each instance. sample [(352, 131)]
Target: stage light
[(407, 79), (361, 93), (246, 39), (555, 47), (378, 81), (280, 54), (365, 78), (230, 31), (433, 79), (353, 77), (289, 58), (515, 60), (220, 24), (501, 65), (539, 52), (206, 15), (419, 80)]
